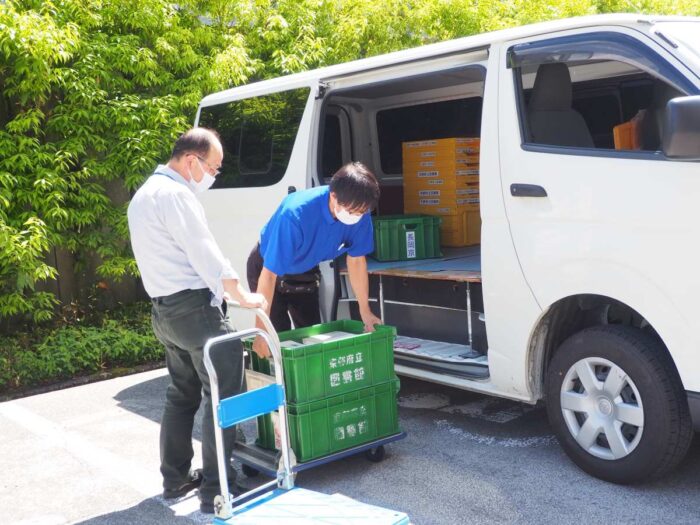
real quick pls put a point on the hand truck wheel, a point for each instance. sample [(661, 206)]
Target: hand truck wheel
[(375, 455)]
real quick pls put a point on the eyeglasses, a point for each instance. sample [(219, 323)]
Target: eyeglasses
[(212, 169)]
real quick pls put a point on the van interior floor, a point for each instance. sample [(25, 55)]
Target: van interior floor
[(451, 358), (457, 265)]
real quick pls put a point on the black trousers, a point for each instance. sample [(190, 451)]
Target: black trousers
[(183, 322), (303, 308)]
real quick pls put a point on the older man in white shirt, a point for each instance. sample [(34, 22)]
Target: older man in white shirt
[(188, 279)]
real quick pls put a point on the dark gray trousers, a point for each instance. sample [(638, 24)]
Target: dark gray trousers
[(183, 322)]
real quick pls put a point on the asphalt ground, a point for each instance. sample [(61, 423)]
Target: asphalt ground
[(89, 455)]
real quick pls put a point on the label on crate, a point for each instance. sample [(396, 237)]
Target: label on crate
[(473, 200), (411, 244), (473, 141), (467, 151), (429, 202), (437, 193), (350, 423), (346, 368), (427, 174), (434, 163), (436, 182), (420, 143), (428, 154)]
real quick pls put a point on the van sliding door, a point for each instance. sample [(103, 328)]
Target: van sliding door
[(266, 143)]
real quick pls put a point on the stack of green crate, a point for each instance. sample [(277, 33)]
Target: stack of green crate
[(406, 237), (340, 394)]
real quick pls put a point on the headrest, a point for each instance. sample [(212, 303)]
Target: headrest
[(552, 89)]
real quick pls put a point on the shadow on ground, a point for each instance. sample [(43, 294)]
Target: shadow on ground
[(149, 511)]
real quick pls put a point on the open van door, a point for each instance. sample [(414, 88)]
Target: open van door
[(265, 136)]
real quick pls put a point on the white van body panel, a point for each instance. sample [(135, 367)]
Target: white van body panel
[(607, 227), (521, 250)]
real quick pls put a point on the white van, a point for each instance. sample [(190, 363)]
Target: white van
[(584, 288)]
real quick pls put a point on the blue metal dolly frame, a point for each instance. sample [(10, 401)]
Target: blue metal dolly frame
[(248, 405)]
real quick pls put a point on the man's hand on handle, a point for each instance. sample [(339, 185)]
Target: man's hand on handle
[(234, 290), (246, 299), (260, 348), (253, 300)]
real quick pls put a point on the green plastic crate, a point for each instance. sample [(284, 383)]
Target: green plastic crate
[(330, 425), (406, 237), (321, 370)]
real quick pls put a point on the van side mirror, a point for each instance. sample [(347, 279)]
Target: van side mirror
[(681, 132)]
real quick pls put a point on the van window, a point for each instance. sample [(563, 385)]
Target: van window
[(604, 92), (257, 135), (332, 146), (435, 120)]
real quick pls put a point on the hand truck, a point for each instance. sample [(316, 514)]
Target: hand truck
[(278, 499)]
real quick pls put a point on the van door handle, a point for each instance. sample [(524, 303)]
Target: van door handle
[(527, 190)]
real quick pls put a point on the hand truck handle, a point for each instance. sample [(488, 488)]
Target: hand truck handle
[(285, 477)]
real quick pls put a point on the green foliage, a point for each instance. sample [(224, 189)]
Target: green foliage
[(91, 92), (48, 355), (94, 92)]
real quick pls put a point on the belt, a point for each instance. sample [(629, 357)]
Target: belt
[(182, 293)]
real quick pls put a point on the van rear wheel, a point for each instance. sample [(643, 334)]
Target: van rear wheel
[(616, 403)]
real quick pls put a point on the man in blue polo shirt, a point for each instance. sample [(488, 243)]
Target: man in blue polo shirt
[(310, 227)]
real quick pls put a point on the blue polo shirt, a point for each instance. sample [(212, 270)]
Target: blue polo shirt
[(302, 233)]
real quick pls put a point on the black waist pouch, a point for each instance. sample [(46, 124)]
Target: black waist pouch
[(293, 283)]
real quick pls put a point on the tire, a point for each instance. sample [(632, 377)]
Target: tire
[(631, 424), (375, 455)]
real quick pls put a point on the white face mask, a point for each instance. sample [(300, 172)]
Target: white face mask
[(346, 217), (204, 184)]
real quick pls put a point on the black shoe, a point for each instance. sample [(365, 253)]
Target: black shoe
[(207, 507), (194, 481)]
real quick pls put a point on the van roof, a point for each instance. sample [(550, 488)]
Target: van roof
[(430, 50)]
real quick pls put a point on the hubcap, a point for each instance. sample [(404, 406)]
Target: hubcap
[(602, 408), (605, 407)]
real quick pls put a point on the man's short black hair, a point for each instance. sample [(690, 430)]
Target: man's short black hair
[(355, 187), (196, 140)]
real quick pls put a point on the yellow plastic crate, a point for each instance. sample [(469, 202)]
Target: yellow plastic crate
[(462, 229), (441, 205), (469, 170), (411, 186), (445, 165), (460, 193), (443, 149)]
